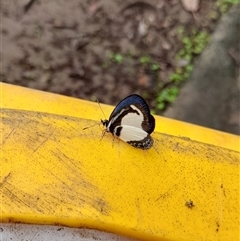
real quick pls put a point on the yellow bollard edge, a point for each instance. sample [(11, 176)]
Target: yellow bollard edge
[(54, 173), (16, 97)]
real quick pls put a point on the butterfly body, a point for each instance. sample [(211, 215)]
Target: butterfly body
[(132, 122)]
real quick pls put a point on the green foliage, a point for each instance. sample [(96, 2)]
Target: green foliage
[(193, 44), (116, 57), (113, 58), (167, 95), (154, 66), (214, 15), (181, 74), (224, 5), (199, 42), (147, 60), (176, 78)]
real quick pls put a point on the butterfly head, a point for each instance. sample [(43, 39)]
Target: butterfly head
[(105, 122)]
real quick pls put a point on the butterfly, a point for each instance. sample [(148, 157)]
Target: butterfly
[(132, 122)]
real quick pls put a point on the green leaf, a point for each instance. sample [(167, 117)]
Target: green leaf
[(118, 58), (145, 59), (154, 67), (161, 106)]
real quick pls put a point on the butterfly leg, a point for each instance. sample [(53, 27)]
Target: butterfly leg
[(113, 141), (103, 133)]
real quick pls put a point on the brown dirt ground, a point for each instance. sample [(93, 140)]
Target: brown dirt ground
[(66, 47)]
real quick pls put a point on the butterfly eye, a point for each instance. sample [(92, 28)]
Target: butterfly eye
[(104, 122)]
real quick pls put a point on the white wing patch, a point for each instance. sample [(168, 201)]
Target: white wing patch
[(133, 119), (132, 133)]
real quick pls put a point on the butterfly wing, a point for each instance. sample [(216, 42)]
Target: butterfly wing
[(132, 122), (135, 136), (133, 110)]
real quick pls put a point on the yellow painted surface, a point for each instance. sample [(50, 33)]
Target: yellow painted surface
[(52, 172), (15, 97)]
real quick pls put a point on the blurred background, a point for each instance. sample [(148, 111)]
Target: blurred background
[(108, 49)]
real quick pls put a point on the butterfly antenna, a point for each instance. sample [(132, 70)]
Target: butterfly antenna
[(96, 123), (101, 108), (90, 126)]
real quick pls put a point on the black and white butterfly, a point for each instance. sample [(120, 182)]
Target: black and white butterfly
[(132, 122)]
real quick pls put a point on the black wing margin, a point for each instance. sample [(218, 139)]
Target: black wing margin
[(148, 123)]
